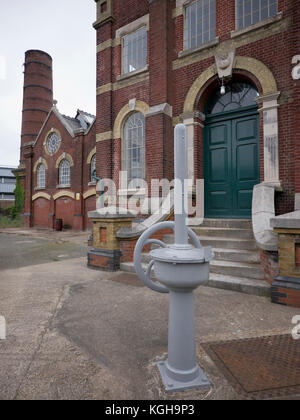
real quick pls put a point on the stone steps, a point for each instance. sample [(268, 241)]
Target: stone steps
[(233, 233), (236, 265), (228, 223), (237, 255), (221, 242), (237, 284), (229, 268)]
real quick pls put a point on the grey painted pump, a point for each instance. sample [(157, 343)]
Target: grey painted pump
[(179, 268)]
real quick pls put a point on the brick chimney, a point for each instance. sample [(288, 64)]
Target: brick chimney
[(37, 96)]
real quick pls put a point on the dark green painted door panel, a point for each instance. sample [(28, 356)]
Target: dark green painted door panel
[(231, 169)]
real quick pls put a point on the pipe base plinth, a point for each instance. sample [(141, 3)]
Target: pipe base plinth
[(176, 385)]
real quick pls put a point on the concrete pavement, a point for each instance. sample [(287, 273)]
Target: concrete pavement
[(75, 333)]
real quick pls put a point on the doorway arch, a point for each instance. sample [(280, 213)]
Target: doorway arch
[(231, 151)]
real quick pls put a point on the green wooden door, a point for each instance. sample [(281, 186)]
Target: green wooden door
[(231, 163)]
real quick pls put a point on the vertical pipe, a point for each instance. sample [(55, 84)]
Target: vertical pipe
[(181, 174), (181, 364)]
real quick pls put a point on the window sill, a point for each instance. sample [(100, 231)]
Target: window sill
[(132, 74), (39, 188), (63, 186), (202, 47), (257, 25)]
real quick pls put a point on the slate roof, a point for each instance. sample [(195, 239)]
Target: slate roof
[(82, 120)]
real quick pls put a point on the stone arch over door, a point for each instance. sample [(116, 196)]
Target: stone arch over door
[(268, 107), (262, 73)]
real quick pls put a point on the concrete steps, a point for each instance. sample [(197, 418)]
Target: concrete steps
[(236, 265), (221, 242), (237, 284)]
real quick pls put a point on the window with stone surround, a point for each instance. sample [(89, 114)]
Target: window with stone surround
[(64, 172), (134, 50), (41, 176), (133, 147), (250, 12), (200, 23)]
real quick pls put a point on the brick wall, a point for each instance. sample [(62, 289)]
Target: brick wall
[(273, 45)]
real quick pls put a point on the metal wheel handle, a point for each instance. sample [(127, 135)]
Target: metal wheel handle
[(144, 240)]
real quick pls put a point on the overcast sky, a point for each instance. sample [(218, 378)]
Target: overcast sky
[(62, 28)]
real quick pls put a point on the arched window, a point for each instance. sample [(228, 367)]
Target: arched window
[(133, 147), (41, 176), (64, 172), (237, 95)]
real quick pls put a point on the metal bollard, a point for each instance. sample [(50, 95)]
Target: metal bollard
[(180, 268)]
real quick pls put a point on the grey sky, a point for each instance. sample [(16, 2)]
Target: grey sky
[(62, 28)]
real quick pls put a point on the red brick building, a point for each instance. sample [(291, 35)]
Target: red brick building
[(228, 69), (162, 62), (58, 153), (165, 61)]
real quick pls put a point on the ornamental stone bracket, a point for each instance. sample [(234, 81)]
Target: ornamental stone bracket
[(225, 60)]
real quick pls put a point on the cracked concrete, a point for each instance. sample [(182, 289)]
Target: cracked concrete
[(75, 333)]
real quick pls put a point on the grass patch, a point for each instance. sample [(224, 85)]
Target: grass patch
[(7, 222)]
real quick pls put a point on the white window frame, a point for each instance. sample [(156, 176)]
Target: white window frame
[(41, 176), (65, 172), (238, 28), (127, 164), (141, 60), (188, 25)]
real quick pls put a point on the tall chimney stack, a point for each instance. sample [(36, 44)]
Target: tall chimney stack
[(38, 94)]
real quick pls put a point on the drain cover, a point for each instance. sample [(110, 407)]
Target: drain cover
[(260, 368)]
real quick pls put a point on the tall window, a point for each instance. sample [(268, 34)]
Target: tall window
[(134, 51), (41, 176), (250, 12), (200, 23), (65, 172), (133, 147), (93, 167)]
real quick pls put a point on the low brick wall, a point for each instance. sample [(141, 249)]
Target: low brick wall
[(285, 288), (286, 291), (6, 203)]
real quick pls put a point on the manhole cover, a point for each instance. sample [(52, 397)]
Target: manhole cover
[(260, 368)]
